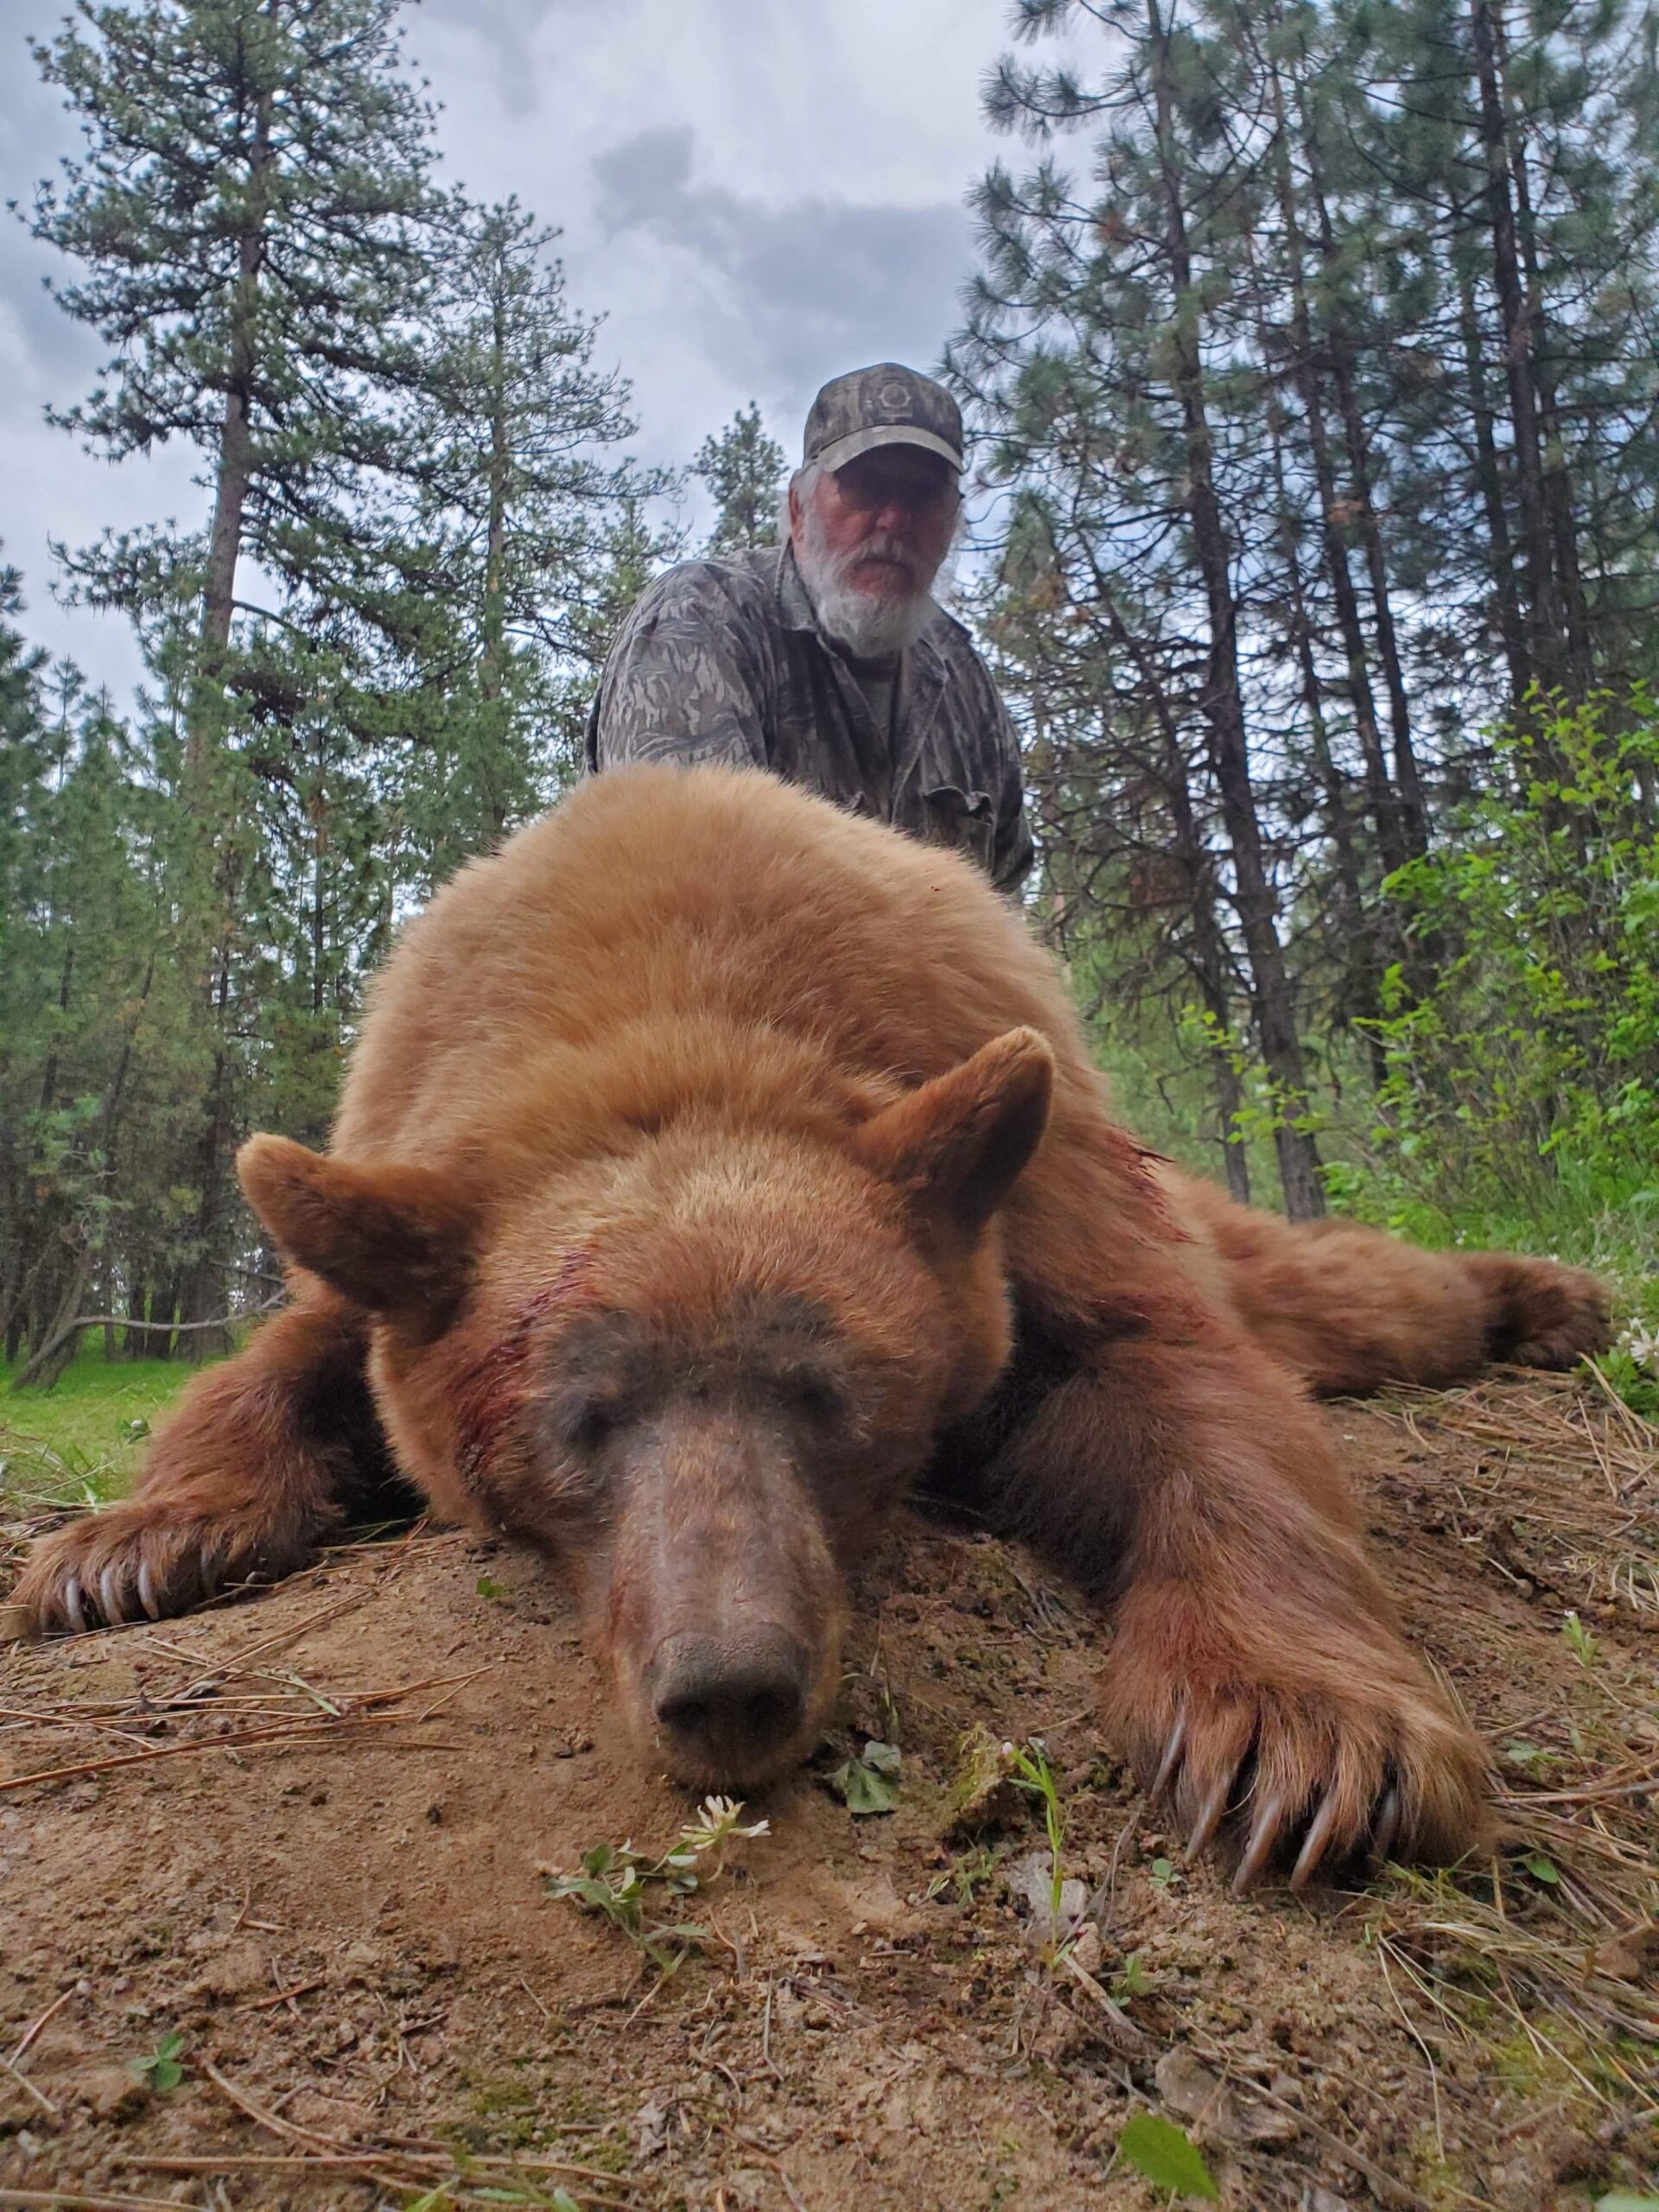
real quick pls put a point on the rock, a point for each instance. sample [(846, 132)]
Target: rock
[(650, 2127), (1315, 2199), (985, 1795), (1088, 1951), (1631, 1954), (1219, 2113), (1030, 1885)]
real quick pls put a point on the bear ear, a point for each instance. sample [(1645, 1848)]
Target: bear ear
[(394, 1240), (959, 1143)]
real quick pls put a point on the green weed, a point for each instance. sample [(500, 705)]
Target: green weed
[(618, 1882), (1585, 1647), (162, 2070), (1029, 1770), (868, 1782)]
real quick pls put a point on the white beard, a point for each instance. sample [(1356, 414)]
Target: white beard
[(869, 625)]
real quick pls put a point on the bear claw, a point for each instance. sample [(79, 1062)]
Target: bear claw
[(1264, 1835), (73, 1607), (1315, 1844)]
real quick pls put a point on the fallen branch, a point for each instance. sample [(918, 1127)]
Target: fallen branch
[(304, 1732), (55, 1343), (63, 2200)]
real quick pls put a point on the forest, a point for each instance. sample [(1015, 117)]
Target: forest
[(1309, 358)]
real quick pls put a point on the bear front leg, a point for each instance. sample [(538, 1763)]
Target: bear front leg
[(256, 1464), (1257, 1673)]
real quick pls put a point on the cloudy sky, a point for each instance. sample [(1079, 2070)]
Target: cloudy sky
[(756, 196)]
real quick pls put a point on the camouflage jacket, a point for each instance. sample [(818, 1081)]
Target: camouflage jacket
[(723, 661)]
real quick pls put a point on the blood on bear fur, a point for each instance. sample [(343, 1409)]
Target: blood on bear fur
[(713, 1168)]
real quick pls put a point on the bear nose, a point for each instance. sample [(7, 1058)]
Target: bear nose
[(727, 1704)]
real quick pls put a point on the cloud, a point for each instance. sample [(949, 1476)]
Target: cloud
[(754, 197), (788, 295), (510, 31)]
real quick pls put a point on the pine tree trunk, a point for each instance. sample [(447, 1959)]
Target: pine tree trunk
[(1224, 704), (1356, 930), (1411, 813), (234, 477), (1489, 481), (1408, 783), (1546, 640), (199, 1297), (1211, 963), (1380, 796), (493, 673), (1557, 477)]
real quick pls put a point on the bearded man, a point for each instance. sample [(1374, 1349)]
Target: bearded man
[(828, 661)]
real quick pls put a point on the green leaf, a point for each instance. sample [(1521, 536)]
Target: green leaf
[(1536, 1862), (162, 2070), (869, 1783), (1133, 1981), (1166, 2155), (491, 1590), (1618, 2201)]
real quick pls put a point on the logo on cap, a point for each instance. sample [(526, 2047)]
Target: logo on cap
[(893, 398)]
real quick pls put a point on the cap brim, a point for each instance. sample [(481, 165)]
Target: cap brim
[(842, 450)]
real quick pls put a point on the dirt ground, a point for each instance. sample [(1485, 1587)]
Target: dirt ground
[(289, 1854)]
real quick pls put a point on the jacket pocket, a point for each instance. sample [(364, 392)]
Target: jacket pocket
[(965, 821)]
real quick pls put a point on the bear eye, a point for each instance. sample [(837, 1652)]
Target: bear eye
[(594, 1425), (822, 1398), (582, 1422)]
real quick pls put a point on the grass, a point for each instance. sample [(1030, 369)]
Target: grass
[(81, 1441)]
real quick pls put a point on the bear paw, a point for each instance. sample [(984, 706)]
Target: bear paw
[(1542, 1314), (135, 1562), (1362, 1762)]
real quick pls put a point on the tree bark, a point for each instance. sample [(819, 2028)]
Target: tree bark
[(1489, 482), (234, 477), (1276, 1032), (1544, 626), (1410, 808), (1380, 798)]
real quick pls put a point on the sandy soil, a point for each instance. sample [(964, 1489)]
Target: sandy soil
[(302, 1835)]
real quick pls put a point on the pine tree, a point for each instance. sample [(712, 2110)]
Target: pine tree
[(252, 215), (743, 469), (1107, 347), (518, 490)]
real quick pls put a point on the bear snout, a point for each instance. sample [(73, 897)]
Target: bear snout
[(726, 1708)]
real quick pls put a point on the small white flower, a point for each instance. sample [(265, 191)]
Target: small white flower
[(1640, 1342)]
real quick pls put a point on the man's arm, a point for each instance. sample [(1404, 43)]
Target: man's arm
[(683, 682), (1012, 854)]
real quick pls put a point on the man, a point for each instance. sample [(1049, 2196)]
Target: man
[(827, 661)]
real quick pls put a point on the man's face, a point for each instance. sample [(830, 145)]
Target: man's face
[(885, 520)]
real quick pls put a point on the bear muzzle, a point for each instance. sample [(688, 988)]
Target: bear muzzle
[(722, 1600), (728, 1709)]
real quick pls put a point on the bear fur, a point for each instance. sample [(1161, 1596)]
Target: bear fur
[(714, 1169)]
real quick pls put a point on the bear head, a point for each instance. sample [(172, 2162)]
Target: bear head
[(701, 1364)]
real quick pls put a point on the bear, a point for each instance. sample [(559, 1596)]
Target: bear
[(714, 1170)]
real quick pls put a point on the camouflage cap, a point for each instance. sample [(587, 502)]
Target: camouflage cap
[(886, 405)]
